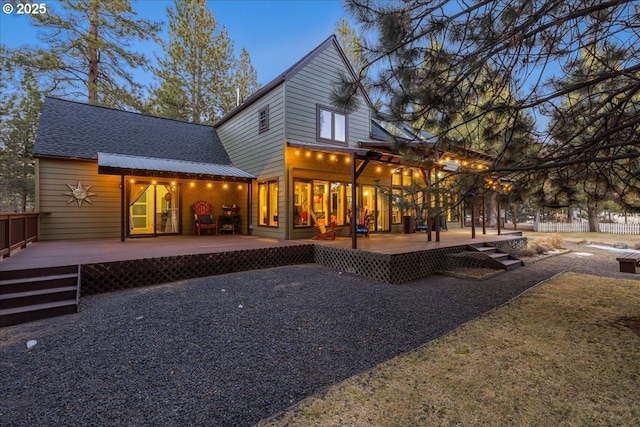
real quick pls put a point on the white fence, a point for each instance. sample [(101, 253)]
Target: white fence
[(583, 227)]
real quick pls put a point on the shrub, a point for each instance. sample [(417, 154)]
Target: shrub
[(540, 246)]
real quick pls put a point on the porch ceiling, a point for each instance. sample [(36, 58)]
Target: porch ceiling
[(120, 164), (361, 153)]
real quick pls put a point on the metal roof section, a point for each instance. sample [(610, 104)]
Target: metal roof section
[(120, 164), (402, 131)]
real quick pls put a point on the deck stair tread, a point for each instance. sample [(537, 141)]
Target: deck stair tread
[(34, 294), (498, 255), (37, 279), (495, 258), (484, 248), (37, 292), (36, 307)]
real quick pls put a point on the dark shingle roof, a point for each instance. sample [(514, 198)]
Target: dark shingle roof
[(76, 130)]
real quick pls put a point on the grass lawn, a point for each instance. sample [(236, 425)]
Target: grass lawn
[(588, 238), (565, 353)]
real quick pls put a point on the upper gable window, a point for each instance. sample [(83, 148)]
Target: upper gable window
[(263, 119), (331, 125)]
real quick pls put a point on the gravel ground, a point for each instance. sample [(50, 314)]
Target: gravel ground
[(231, 350)]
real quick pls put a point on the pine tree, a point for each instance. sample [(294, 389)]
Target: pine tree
[(245, 78), (609, 102), (432, 56), (87, 51), (169, 100), (199, 59), (18, 133), (351, 43)]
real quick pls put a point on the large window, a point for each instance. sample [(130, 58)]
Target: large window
[(331, 125), (320, 199), (338, 201), (268, 203), (302, 200)]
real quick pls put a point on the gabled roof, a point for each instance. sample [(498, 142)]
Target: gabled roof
[(75, 130), (292, 71)]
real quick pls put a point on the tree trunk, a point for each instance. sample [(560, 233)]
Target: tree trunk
[(592, 214), (493, 210), (92, 81)]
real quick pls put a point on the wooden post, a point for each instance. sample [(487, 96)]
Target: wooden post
[(122, 209), (473, 221), (498, 202), (249, 209), (515, 215), (354, 178), (484, 214)]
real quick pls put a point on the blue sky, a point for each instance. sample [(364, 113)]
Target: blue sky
[(276, 33)]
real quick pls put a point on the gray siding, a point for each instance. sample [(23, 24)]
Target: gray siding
[(261, 154), (60, 220), (292, 115), (313, 85)]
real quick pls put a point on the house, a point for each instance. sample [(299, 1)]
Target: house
[(286, 157), (304, 151), (102, 172)]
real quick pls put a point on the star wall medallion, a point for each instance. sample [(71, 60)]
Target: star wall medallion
[(79, 194)]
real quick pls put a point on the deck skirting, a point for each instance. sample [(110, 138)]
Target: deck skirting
[(117, 275), (397, 268), (388, 268)]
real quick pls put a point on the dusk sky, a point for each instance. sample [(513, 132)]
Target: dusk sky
[(275, 33)]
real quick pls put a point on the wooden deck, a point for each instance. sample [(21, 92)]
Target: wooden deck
[(67, 252), (110, 265)]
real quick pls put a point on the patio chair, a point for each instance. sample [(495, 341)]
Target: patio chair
[(321, 231), (363, 221), (203, 220)]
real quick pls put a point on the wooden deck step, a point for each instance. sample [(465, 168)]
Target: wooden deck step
[(510, 264), (40, 296), (16, 315), (39, 293), (34, 283), (484, 248), (496, 258)]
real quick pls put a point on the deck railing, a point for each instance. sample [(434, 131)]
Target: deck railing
[(583, 227), (16, 231)]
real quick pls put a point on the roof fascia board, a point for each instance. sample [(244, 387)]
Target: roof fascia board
[(109, 170)]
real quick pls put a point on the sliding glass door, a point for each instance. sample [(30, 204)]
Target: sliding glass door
[(153, 208)]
